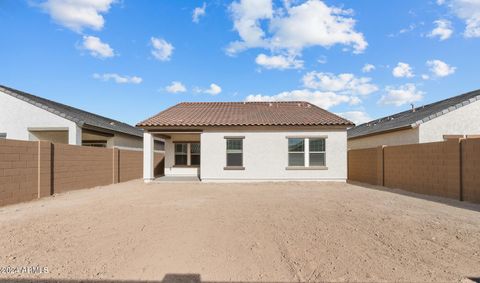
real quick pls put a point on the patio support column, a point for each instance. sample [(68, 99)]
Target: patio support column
[(148, 157)]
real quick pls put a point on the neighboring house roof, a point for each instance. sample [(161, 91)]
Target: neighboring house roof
[(198, 114), (414, 117), (80, 117)]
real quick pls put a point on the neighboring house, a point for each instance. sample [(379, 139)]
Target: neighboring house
[(453, 117), (249, 141), (27, 117)]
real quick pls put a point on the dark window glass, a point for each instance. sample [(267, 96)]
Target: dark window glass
[(317, 159), (317, 152), (296, 152), (180, 154), (234, 152), (317, 145), (194, 154)]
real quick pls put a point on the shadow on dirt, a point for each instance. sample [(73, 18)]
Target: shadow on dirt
[(447, 201), (168, 278)]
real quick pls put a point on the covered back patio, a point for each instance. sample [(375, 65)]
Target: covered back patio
[(182, 155)]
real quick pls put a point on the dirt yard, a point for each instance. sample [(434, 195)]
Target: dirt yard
[(263, 232)]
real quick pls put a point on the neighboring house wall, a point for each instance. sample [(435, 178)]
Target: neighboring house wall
[(17, 117), (265, 155), (170, 169), (126, 141), (53, 136), (409, 136), (462, 121)]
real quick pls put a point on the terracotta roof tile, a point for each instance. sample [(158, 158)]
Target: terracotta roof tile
[(198, 114)]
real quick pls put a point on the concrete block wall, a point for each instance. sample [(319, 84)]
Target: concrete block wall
[(471, 170), (362, 165), (78, 167), (430, 168), (34, 169), (130, 165), (448, 169), (19, 172)]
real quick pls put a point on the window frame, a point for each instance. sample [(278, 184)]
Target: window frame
[(188, 153), (310, 152), (297, 152), (307, 163), (196, 154), (234, 167), (175, 153)]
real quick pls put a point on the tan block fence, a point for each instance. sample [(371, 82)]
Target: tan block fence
[(30, 170), (448, 169)]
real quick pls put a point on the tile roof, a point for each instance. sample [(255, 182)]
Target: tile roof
[(413, 118), (80, 117), (198, 114)]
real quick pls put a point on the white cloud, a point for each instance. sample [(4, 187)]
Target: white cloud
[(357, 117), (293, 28), (96, 47), (342, 83), (440, 68), (199, 12), (324, 100), (401, 95), (403, 70), (213, 90), (443, 29), (469, 12), (162, 50), (176, 87), (322, 60), (118, 78), (368, 68), (78, 14), (278, 62), (425, 77)]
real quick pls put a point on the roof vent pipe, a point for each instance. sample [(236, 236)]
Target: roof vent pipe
[(413, 107)]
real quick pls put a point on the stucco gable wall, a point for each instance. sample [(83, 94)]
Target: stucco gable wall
[(17, 116), (462, 121)]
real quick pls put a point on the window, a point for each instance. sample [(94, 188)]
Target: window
[(181, 153), (306, 153), (317, 152), (187, 153), (195, 154), (296, 152), (234, 152), (95, 144), (3, 135)]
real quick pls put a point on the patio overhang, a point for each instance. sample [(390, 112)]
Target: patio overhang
[(170, 137)]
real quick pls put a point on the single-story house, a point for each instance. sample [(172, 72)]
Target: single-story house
[(450, 118), (24, 116), (248, 141)]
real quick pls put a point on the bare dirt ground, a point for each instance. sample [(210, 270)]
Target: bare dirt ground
[(258, 232)]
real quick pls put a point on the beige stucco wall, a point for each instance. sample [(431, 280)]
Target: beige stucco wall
[(265, 155), (409, 136), (462, 121), (127, 141), (53, 136)]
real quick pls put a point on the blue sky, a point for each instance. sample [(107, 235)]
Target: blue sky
[(131, 59)]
